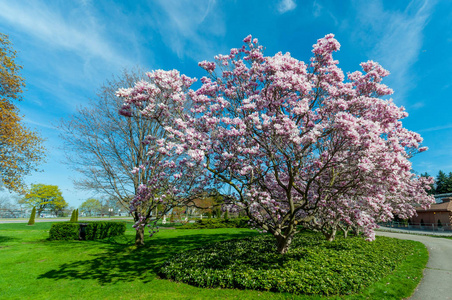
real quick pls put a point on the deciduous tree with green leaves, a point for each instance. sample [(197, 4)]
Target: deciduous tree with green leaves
[(91, 207), (45, 196)]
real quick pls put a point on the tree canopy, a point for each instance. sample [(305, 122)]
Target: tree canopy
[(20, 148), (44, 196), (443, 183), (298, 143), (111, 153), (91, 206)]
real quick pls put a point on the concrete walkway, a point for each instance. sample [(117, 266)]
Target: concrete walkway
[(81, 219), (437, 281), (416, 231)]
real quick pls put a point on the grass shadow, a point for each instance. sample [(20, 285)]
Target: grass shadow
[(4, 239), (121, 261)]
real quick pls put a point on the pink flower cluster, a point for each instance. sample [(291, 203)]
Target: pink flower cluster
[(298, 143)]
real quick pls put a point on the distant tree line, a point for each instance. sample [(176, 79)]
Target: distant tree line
[(443, 183)]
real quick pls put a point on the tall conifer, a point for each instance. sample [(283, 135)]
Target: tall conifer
[(31, 221)]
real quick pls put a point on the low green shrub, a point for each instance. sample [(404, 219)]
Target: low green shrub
[(312, 266), (102, 230), (64, 231), (90, 230), (217, 223)]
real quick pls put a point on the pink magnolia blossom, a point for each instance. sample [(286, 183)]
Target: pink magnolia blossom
[(297, 143)]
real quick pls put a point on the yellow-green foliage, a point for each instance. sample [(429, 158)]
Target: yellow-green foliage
[(45, 196), (31, 221)]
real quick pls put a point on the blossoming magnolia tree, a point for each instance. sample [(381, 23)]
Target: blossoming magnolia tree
[(297, 142), (171, 178)]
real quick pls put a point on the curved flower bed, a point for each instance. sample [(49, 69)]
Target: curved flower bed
[(311, 266)]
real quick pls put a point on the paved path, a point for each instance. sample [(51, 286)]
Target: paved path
[(416, 231), (437, 281), (22, 220)]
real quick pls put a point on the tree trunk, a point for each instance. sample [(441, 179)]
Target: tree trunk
[(139, 237), (283, 243), (345, 229), (330, 235), (356, 231)]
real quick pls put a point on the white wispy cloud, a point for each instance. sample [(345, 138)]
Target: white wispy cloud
[(396, 38), (316, 8), (286, 5), (48, 126), (187, 27), (59, 30), (436, 128)]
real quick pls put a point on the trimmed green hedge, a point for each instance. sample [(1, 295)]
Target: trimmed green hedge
[(312, 266), (91, 230), (64, 231), (217, 223), (102, 230)]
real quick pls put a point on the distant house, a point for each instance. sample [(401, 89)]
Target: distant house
[(438, 215), (439, 197)]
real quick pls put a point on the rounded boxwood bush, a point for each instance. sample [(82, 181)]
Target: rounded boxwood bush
[(311, 266)]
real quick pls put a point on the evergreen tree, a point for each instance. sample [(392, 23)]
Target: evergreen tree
[(440, 225), (76, 215), (32, 216), (441, 183), (449, 183), (72, 216)]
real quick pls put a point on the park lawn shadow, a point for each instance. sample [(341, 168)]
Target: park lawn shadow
[(4, 239), (124, 262)]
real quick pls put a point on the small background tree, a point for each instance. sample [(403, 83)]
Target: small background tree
[(91, 207), (72, 216), (31, 221)]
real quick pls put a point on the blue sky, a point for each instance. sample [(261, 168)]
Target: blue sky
[(69, 48)]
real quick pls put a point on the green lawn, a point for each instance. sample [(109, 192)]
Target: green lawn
[(31, 267)]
